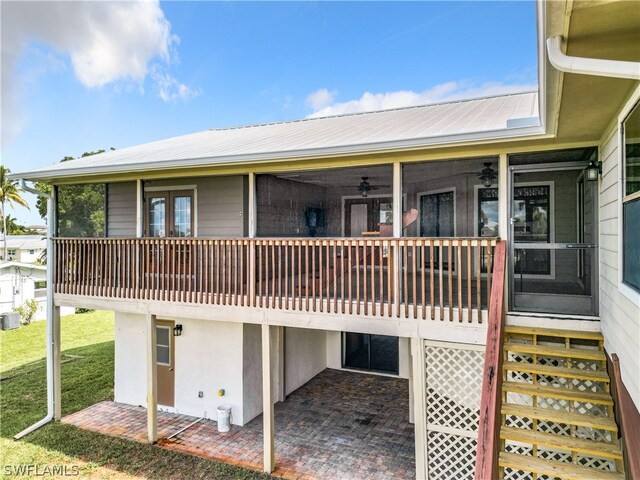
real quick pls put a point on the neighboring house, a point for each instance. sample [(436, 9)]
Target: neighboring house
[(20, 282), (23, 248), (263, 248)]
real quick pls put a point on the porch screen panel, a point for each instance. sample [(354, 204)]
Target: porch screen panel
[(454, 388)]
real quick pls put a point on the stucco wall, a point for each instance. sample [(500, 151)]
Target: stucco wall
[(305, 356), (619, 315), (130, 359), (208, 357)]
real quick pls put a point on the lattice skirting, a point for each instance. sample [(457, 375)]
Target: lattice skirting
[(454, 387)]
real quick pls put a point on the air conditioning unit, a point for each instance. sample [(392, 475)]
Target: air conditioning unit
[(9, 320)]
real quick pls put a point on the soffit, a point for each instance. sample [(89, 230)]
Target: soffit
[(606, 30)]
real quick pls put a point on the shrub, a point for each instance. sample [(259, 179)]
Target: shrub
[(84, 310), (28, 310)]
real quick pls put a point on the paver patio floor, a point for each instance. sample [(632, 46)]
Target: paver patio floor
[(339, 425)]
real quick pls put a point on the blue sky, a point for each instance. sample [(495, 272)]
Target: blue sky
[(79, 77)]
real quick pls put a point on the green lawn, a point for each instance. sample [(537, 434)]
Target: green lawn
[(87, 378)]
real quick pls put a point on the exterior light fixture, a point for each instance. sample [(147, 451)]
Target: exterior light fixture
[(488, 175), (177, 330), (593, 170)]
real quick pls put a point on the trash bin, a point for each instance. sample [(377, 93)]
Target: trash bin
[(224, 418)]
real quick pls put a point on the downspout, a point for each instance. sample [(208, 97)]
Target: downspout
[(50, 309), (589, 66)]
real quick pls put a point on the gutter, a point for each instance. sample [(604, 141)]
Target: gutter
[(50, 312), (589, 66)]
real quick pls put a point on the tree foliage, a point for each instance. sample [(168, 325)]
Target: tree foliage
[(10, 194), (81, 208)]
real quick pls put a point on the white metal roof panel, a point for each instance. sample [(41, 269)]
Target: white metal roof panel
[(414, 126)]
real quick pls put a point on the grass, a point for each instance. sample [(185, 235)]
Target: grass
[(87, 378)]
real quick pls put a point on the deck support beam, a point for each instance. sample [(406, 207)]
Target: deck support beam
[(267, 401), (419, 400), (152, 380), (56, 357)]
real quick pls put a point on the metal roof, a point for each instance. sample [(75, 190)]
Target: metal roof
[(411, 127), (25, 242)]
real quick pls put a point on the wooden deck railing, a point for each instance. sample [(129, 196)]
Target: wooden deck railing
[(435, 278), (628, 418), (491, 399)]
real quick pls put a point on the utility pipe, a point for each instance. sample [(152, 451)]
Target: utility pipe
[(50, 309), (589, 66)]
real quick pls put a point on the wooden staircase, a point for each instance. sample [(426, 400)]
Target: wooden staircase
[(557, 410)]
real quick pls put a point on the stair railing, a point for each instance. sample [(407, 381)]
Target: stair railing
[(491, 400), (628, 419)]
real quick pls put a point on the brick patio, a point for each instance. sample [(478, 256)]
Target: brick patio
[(340, 425)]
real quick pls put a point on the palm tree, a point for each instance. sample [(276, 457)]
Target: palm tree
[(9, 195)]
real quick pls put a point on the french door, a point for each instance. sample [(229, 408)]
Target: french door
[(169, 213)]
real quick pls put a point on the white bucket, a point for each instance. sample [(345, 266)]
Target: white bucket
[(224, 418)]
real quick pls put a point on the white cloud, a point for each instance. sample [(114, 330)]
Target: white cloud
[(455, 90), (321, 98), (105, 42), (170, 89)]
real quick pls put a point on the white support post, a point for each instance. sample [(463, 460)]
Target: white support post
[(139, 208), (152, 381), (253, 206), (411, 394), (57, 388), (252, 224), (419, 399), (281, 365), (504, 198), (503, 195), (397, 232), (267, 401)]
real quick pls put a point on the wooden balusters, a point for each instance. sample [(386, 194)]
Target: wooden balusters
[(343, 275)]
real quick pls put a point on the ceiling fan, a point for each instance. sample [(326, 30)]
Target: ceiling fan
[(365, 187)]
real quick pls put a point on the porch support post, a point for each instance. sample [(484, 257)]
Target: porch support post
[(253, 206), (281, 364), (411, 394), (55, 341), (503, 195), (397, 231), (267, 401), (419, 399), (252, 225), (504, 198), (152, 381), (139, 208)]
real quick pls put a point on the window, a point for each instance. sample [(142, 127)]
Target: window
[(32, 252), (11, 252), (363, 351), (163, 345), (437, 219), (631, 199), (170, 213)]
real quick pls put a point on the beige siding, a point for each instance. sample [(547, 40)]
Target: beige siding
[(121, 209), (620, 317)]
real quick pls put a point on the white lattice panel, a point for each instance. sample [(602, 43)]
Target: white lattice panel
[(454, 386), (450, 456)]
